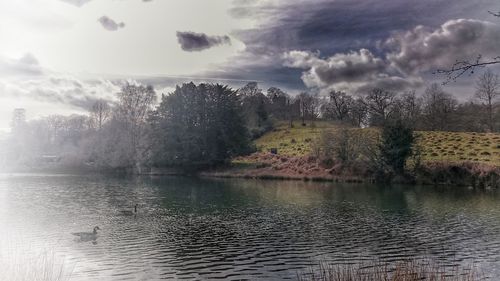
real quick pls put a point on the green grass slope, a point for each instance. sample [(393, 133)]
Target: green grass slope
[(435, 146)]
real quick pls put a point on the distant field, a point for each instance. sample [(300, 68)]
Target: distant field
[(294, 141), (436, 146), (457, 146)]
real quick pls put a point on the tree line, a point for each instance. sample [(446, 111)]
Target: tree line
[(195, 125), (434, 110), (207, 124)]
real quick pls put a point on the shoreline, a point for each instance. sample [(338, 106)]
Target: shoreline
[(268, 166), (252, 174)]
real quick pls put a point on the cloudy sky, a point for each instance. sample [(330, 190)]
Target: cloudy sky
[(59, 56)]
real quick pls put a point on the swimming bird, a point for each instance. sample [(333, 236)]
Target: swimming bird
[(130, 213), (87, 236)]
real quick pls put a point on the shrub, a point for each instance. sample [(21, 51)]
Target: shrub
[(396, 146), (465, 174), (343, 145)]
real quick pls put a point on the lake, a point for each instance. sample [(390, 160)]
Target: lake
[(233, 229)]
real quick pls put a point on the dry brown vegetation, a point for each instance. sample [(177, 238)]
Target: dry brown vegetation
[(401, 271), (464, 173), (272, 166), (456, 158)]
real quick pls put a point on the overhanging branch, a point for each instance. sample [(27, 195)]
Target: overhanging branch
[(460, 68), (497, 14)]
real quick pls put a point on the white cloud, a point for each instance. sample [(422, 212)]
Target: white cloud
[(146, 46), (421, 49), (27, 65), (409, 55), (24, 83), (73, 50), (77, 3), (353, 71)]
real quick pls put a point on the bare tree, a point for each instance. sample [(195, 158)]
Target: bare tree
[(250, 89), (487, 90), (55, 125), (342, 145), (100, 113), (135, 101), (293, 110), (409, 108), (18, 119), (278, 103), (339, 105), (379, 103), (131, 112), (359, 112), (308, 106), (438, 107), (255, 105), (462, 67)]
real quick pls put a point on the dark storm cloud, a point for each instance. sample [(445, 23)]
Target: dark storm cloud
[(192, 41), (110, 24), (343, 25), (336, 29), (77, 3), (268, 70), (408, 55)]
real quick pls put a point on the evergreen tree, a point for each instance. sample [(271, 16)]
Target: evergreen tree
[(198, 126), (396, 146)]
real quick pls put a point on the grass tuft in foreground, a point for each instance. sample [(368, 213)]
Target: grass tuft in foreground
[(26, 264), (420, 270)]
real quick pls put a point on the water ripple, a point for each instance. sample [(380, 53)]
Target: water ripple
[(193, 229)]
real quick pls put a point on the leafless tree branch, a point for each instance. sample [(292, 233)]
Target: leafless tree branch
[(497, 14), (460, 68)]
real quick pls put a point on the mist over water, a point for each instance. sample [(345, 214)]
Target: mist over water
[(201, 229)]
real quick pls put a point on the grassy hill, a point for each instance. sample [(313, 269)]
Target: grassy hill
[(435, 146)]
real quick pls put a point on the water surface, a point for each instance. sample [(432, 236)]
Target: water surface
[(206, 229)]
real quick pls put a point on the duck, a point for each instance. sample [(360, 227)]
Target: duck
[(87, 236), (130, 213)]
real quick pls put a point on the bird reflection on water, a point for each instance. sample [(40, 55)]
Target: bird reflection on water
[(128, 212)]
